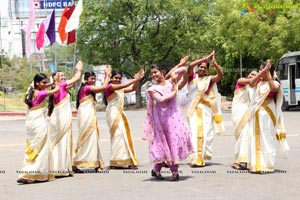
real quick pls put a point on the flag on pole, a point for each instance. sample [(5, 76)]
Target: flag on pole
[(30, 25), (40, 37), (71, 37), (62, 26), (50, 32), (46, 32), (73, 22)]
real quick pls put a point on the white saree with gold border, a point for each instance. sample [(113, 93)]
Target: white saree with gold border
[(122, 148), (240, 116), (205, 118), (87, 152), (36, 161), (61, 138), (266, 125)]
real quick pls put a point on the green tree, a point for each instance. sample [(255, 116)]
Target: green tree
[(246, 40), (132, 34)]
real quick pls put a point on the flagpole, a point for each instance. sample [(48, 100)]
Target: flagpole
[(74, 62)]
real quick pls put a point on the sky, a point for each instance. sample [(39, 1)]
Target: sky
[(4, 8)]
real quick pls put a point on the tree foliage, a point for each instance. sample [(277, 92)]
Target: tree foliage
[(132, 34)]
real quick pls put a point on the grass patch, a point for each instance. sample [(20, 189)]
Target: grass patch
[(12, 104)]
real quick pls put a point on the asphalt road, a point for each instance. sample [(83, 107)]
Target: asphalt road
[(215, 181)]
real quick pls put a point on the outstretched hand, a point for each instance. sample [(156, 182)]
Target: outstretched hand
[(184, 60), (211, 56), (138, 76), (79, 66), (108, 70)]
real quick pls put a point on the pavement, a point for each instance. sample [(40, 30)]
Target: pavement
[(215, 181)]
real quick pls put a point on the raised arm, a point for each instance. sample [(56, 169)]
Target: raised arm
[(102, 88), (159, 98), (77, 75), (216, 78), (182, 83), (191, 66), (180, 64), (137, 76), (273, 87), (54, 90), (244, 81)]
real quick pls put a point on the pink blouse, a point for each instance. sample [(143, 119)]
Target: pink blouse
[(39, 98), (108, 91), (62, 93), (85, 91), (239, 86)]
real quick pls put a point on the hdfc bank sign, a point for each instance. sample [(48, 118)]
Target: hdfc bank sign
[(52, 4)]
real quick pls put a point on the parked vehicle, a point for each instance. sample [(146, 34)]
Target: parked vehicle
[(288, 71)]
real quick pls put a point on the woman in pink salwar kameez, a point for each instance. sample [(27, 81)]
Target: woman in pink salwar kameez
[(165, 126)]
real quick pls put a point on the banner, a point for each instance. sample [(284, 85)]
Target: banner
[(52, 4)]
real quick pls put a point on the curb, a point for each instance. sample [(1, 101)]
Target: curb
[(9, 113)]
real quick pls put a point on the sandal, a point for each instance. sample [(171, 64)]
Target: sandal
[(98, 169), (116, 167), (132, 167), (76, 170), (157, 175), (238, 166), (174, 177), (25, 181)]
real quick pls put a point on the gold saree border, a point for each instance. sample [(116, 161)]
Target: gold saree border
[(41, 105), (86, 134), (63, 101), (200, 137), (198, 97), (38, 177), (121, 162), (236, 92), (257, 142), (31, 153), (89, 164), (130, 143), (241, 124), (281, 136)]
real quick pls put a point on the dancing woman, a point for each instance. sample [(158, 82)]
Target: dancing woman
[(87, 152), (61, 125), (122, 148), (165, 126), (240, 115), (204, 111), (36, 162), (265, 121)]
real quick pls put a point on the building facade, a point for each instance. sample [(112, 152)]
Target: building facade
[(14, 16)]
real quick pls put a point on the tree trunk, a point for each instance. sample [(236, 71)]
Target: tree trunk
[(138, 96)]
